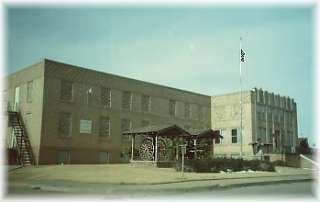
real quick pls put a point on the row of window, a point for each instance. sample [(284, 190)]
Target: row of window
[(233, 133), (262, 116), (64, 157), (277, 100), (267, 136), (65, 125), (86, 125), (66, 94)]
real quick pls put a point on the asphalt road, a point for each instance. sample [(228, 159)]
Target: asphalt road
[(303, 189)]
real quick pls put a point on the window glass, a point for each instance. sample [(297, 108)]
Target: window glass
[(65, 123), (104, 157), (126, 125), (104, 126), (66, 90), (89, 94), (86, 126), (234, 136), (172, 107), (145, 103), (145, 123), (29, 91), (187, 110), (106, 97), (63, 157), (127, 100)]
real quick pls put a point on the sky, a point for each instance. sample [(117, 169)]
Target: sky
[(195, 48)]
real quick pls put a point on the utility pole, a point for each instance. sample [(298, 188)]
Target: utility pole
[(241, 54)]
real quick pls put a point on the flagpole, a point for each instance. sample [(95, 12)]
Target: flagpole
[(240, 99)]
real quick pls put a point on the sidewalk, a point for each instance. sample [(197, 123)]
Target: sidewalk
[(190, 181)]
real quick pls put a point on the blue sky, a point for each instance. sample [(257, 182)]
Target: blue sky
[(191, 48)]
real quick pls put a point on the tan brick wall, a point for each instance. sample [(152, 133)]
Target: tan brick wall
[(83, 78), (20, 79), (225, 111)]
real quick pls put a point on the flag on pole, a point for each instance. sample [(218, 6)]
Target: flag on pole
[(242, 55)]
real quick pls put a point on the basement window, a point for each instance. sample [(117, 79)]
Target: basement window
[(63, 157), (103, 157)]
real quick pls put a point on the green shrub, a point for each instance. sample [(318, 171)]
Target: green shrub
[(225, 164), (279, 163)]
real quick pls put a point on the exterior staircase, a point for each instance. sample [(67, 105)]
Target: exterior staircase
[(24, 148)]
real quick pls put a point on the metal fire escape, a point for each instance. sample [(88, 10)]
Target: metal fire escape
[(21, 138)]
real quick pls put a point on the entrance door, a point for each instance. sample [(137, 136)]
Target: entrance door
[(16, 98)]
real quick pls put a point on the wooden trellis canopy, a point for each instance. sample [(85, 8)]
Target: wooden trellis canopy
[(206, 134), (169, 131)]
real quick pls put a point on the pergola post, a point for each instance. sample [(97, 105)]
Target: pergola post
[(195, 148), (156, 150), (132, 145), (213, 140)]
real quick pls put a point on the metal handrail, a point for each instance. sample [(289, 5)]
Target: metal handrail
[(25, 136)]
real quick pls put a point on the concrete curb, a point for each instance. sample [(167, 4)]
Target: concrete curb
[(15, 168), (167, 188)]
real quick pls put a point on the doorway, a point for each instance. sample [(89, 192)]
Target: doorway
[(16, 98)]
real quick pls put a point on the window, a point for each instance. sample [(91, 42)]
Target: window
[(200, 115), (172, 107), (145, 103), (29, 91), (187, 128), (65, 124), (219, 140), (104, 126), (89, 94), (28, 120), (103, 157), (126, 125), (106, 97), (66, 92), (145, 123), (187, 110), (86, 126), (127, 100), (261, 134), (63, 157), (234, 136)]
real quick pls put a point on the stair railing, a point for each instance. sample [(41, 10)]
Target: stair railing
[(25, 137)]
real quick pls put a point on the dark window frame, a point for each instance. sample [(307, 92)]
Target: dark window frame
[(234, 136)]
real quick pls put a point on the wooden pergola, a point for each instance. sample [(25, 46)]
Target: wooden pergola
[(168, 131), (204, 134)]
